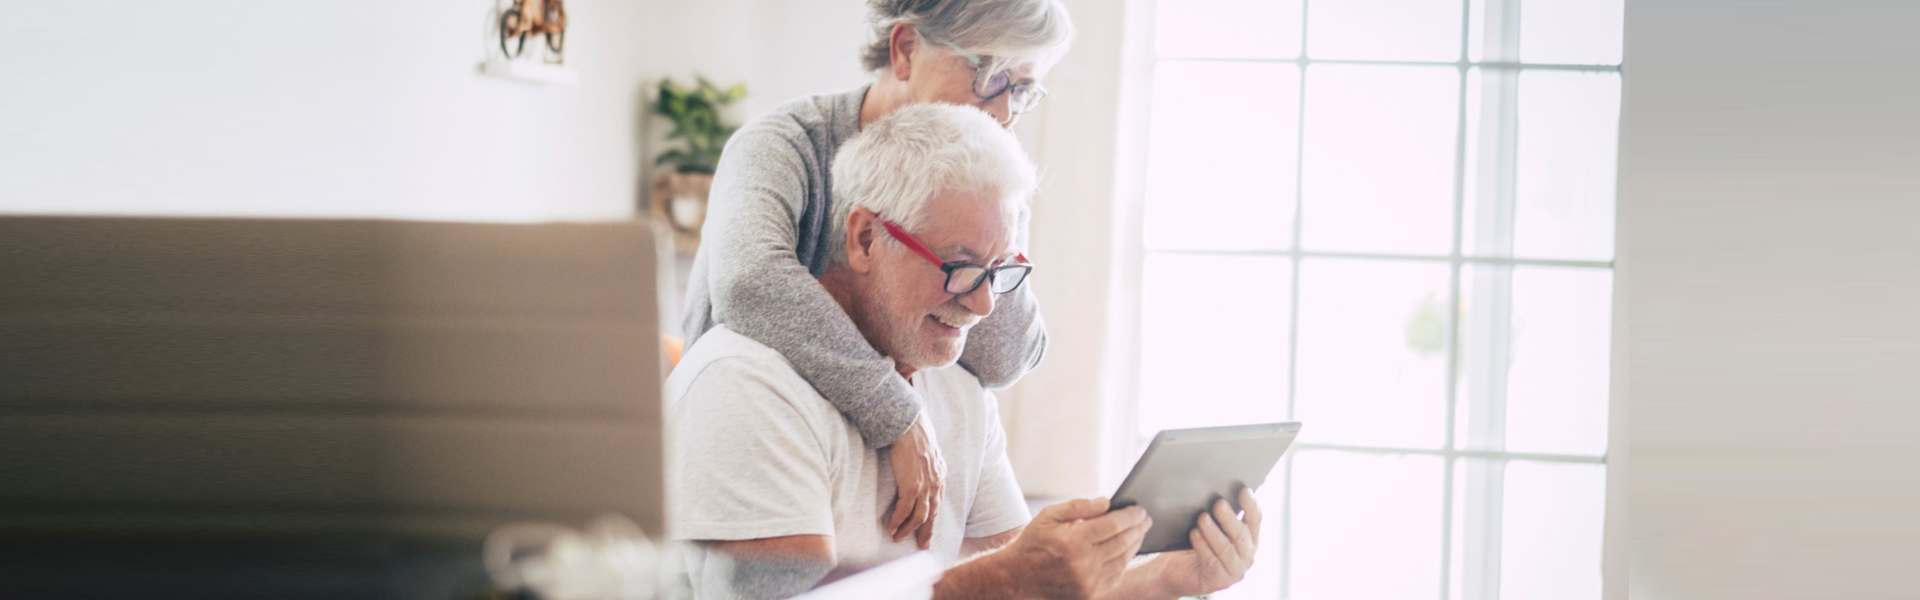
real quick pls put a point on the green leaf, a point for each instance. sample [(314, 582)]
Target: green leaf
[(694, 112)]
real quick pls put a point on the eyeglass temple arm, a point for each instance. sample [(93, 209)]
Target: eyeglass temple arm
[(912, 244), (917, 248)]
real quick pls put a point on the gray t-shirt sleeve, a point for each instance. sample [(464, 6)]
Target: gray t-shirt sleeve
[(998, 504), (759, 288), (757, 468)]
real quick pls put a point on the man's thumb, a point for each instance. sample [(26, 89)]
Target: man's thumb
[(1074, 510)]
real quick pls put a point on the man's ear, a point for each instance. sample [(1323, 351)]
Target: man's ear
[(902, 43), (861, 229)]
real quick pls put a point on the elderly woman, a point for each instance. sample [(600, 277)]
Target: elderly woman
[(766, 237)]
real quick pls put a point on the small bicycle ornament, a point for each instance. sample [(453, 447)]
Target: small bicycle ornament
[(527, 17)]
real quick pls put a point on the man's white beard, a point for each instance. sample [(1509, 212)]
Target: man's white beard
[(902, 333)]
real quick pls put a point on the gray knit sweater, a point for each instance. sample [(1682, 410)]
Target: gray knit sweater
[(765, 244)]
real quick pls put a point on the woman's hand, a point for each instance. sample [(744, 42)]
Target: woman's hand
[(1223, 548), (920, 473)]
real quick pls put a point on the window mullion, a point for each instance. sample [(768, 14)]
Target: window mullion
[(1488, 339), (1293, 308)]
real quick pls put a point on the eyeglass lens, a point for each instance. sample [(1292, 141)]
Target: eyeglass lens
[(1005, 279), (1020, 97), (992, 86)]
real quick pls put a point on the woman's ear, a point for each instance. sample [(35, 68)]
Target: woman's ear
[(860, 239), (902, 43)]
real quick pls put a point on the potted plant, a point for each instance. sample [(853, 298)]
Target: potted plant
[(684, 176)]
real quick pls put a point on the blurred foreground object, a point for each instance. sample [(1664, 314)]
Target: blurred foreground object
[(315, 409), (612, 560)]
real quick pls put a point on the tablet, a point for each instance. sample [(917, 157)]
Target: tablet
[(1184, 470)]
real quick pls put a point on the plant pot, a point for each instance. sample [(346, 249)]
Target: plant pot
[(680, 201)]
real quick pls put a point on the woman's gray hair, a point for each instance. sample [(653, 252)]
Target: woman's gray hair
[(1006, 32), (906, 158)]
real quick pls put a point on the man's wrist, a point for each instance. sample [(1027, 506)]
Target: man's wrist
[(1152, 574), (990, 576)]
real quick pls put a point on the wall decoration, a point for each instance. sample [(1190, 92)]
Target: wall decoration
[(527, 17), (684, 176), (508, 55)]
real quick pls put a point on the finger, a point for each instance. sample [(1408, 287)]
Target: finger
[(1231, 525), (925, 535), (1073, 510), (933, 512), (921, 509), (906, 507), (902, 510), (1217, 541), (1105, 527), (1251, 509), (1127, 543), (1209, 560)]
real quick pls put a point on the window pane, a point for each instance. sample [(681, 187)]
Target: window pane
[(1426, 30), (1220, 163), (1568, 142), (1551, 517), (1213, 341), (1557, 379), (1550, 530), (1550, 525), (1557, 386), (1569, 32), (1364, 527), (1379, 158), (1228, 28), (1372, 364)]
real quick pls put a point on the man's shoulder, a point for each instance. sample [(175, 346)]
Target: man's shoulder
[(723, 342), (724, 353)]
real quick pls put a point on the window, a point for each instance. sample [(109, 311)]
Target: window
[(1392, 220)]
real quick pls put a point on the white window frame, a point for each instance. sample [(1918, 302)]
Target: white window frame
[(1497, 26)]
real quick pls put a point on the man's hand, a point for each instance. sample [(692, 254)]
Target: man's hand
[(1223, 548), (1075, 549), (920, 473)]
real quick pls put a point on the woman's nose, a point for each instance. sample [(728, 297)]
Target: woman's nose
[(1000, 110)]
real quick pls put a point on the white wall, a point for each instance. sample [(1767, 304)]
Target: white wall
[(1770, 214), (782, 49), (238, 107)]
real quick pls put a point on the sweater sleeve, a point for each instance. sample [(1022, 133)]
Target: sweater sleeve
[(1007, 344), (759, 288)]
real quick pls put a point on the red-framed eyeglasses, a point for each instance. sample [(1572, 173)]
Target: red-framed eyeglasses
[(963, 278)]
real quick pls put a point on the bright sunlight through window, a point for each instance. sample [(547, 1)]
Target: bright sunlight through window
[(1393, 221)]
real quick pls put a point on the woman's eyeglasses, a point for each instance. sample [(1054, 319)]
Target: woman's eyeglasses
[(963, 278), (1020, 98)]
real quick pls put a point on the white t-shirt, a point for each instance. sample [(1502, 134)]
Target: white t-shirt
[(754, 452)]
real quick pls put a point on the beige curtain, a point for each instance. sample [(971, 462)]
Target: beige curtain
[(1068, 422)]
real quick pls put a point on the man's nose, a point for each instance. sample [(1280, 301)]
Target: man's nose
[(980, 300)]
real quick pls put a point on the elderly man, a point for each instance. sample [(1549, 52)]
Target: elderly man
[(776, 488)]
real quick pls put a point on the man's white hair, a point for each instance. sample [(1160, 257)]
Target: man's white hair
[(904, 159), (1007, 32)]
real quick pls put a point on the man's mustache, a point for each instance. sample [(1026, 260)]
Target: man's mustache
[(955, 315)]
